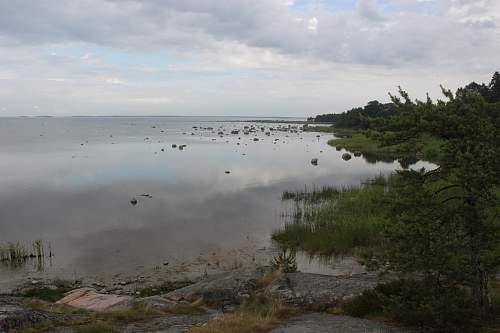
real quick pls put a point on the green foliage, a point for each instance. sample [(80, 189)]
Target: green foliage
[(428, 146), (285, 261), (358, 117), (444, 222), (415, 303)]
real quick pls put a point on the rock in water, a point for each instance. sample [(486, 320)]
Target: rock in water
[(357, 153), (314, 161), (133, 202), (346, 156), (338, 147)]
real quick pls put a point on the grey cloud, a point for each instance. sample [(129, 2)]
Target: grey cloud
[(370, 10), (366, 36)]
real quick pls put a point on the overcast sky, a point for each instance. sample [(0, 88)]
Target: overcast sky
[(237, 57)]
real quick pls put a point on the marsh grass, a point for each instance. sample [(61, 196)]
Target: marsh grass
[(16, 254), (342, 220), (429, 146)]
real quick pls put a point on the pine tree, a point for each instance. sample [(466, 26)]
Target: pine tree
[(444, 222)]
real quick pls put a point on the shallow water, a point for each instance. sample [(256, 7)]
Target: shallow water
[(69, 181)]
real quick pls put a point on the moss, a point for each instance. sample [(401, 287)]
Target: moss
[(45, 294), (97, 328)]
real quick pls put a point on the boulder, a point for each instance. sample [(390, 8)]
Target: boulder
[(338, 147), (346, 156), (357, 153)]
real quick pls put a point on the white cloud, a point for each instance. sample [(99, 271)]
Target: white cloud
[(237, 56), (312, 24), (114, 80)]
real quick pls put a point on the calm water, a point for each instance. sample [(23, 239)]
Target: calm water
[(69, 181)]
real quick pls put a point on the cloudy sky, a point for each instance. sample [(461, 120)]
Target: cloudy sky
[(236, 57)]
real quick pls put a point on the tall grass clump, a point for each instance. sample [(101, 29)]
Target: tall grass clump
[(17, 253), (258, 314), (338, 221)]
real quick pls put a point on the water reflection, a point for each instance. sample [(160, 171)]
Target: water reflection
[(69, 181)]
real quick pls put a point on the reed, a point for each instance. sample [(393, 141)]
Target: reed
[(16, 253), (334, 221)]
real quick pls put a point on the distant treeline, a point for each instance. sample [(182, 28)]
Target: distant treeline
[(357, 117), (360, 117)]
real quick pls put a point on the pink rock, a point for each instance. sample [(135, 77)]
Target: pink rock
[(90, 299)]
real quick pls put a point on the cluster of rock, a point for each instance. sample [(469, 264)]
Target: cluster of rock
[(221, 292)]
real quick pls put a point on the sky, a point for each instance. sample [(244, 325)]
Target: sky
[(237, 57)]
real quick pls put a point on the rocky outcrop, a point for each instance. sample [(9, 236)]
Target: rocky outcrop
[(313, 291), (14, 314), (318, 291), (90, 299), (327, 323), (221, 289)]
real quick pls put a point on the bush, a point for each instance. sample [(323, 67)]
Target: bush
[(416, 303)]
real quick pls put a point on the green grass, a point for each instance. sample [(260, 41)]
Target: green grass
[(322, 129), (97, 328), (357, 140), (353, 140), (45, 294), (349, 218)]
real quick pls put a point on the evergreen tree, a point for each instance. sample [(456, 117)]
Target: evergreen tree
[(444, 222)]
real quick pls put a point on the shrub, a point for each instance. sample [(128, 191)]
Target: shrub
[(418, 304)]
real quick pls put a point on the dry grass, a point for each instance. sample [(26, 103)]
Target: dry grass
[(266, 278), (258, 315)]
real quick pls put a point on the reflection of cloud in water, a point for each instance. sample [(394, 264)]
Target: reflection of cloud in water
[(78, 197)]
